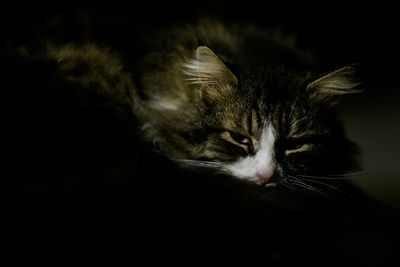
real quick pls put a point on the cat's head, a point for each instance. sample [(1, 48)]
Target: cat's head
[(264, 124)]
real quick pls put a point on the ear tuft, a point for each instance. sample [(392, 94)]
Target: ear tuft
[(208, 69), (329, 88)]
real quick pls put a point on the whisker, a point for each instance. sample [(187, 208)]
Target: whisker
[(296, 181), (288, 185), (331, 177), (320, 177), (325, 184), (348, 174), (199, 163), (319, 182), (312, 180), (305, 186)]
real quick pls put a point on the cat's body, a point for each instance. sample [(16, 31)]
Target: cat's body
[(237, 99)]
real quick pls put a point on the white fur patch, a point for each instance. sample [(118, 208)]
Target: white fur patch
[(164, 105), (263, 162)]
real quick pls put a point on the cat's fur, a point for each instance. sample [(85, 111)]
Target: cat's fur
[(234, 98), (204, 88)]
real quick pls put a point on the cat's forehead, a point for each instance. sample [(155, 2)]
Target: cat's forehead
[(260, 99)]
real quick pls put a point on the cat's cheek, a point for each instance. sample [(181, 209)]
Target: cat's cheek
[(295, 164)]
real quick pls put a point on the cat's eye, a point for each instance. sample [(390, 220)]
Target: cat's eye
[(296, 143), (239, 138), (295, 146)]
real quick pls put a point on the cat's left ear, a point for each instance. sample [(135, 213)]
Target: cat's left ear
[(208, 70), (331, 87)]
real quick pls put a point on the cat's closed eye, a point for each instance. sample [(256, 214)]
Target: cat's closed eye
[(238, 139), (293, 144), (241, 139), (296, 145)]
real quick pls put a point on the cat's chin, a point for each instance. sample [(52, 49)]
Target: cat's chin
[(272, 182), (270, 185)]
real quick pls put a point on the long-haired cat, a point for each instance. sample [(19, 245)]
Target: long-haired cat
[(234, 99), (218, 136), (242, 101), (209, 142)]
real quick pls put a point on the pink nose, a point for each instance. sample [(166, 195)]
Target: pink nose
[(264, 176)]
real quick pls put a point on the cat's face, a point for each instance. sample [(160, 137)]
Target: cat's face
[(262, 128), (263, 142)]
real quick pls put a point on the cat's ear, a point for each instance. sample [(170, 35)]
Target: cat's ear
[(329, 88), (210, 72)]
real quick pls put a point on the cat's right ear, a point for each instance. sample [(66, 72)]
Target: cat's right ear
[(208, 71), (328, 89)]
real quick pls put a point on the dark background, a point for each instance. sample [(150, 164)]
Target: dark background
[(37, 124)]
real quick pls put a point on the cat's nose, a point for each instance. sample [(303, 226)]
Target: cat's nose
[(264, 175)]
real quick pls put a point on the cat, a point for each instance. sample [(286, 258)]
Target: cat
[(218, 136), (237, 100), (241, 101)]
